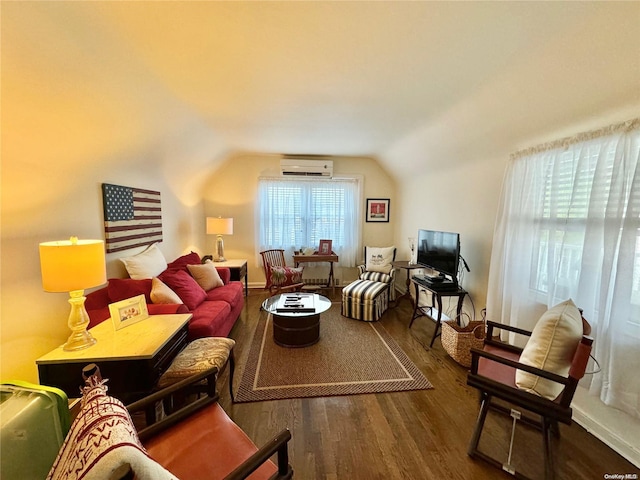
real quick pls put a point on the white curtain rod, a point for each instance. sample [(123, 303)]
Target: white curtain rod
[(627, 126)]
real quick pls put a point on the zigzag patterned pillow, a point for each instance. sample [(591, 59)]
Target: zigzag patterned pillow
[(103, 443), (281, 276)]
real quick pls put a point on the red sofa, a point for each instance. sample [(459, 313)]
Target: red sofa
[(214, 311)]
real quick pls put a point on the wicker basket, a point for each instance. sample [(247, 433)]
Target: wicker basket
[(458, 341)]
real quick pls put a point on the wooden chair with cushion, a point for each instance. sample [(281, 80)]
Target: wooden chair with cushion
[(196, 441), (539, 379), (279, 277)]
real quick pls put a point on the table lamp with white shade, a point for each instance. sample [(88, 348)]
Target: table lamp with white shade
[(71, 266), (219, 226)]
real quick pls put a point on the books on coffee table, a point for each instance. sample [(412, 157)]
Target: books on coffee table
[(296, 303)]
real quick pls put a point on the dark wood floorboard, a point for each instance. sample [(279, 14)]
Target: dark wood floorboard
[(405, 435)]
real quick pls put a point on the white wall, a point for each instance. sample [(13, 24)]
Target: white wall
[(75, 114), (231, 191)]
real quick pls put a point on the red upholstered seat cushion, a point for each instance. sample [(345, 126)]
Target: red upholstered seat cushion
[(207, 444), (231, 293), (122, 288), (185, 287), (167, 308), (497, 371), (201, 325)]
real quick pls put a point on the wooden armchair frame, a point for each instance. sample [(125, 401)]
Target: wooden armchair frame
[(275, 258), (548, 412), (278, 445)]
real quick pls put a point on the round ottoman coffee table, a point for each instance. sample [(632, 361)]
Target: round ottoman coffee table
[(296, 317)]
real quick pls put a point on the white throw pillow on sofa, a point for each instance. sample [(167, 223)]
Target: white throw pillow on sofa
[(147, 264), (379, 259), (551, 347)]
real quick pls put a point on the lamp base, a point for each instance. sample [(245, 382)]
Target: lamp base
[(78, 341), (78, 322), (219, 256)]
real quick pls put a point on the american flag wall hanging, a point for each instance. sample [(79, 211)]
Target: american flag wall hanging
[(132, 217)]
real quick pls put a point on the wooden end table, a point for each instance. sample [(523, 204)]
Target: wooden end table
[(238, 269), (132, 358)]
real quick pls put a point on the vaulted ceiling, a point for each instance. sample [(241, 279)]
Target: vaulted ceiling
[(348, 78)]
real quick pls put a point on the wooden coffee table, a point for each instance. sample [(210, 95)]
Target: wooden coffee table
[(296, 329)]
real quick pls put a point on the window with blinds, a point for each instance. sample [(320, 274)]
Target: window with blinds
[(575, 191), (300, 212)]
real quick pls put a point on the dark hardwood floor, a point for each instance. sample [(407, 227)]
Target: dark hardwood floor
[(405, 435)]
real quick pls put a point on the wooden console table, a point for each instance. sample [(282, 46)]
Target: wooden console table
[(432, 312), (333, 258), (132, 358)]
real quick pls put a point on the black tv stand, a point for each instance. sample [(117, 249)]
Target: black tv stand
[(446, 288)]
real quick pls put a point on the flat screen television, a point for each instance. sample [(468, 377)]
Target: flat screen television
[(439, 251)]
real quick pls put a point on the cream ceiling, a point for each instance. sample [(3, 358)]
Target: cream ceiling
[(350, 78)]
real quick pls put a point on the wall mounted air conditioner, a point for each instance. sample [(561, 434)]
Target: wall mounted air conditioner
[(306, 168)]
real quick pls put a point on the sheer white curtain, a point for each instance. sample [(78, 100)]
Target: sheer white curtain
[(292, 213), (569, 227)]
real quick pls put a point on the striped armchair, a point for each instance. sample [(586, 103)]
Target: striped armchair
[(377, 267)]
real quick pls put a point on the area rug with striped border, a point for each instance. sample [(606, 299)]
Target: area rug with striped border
[(352, 357)]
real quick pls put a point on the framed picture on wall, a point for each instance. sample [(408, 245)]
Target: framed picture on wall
[(377, 210)]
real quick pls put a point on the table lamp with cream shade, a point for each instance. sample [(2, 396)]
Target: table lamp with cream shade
[(71, 266), (219, 226)]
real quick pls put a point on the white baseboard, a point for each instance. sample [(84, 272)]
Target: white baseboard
[(613, 427)]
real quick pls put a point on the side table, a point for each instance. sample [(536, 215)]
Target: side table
[(432, 312), (238, 268), (316, 257), (405, 265), (132, 358)]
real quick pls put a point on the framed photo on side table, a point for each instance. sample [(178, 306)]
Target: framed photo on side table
[(129, 311), (377, 210), (325, 247)]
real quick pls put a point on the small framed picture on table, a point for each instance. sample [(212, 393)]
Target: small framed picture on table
[(325, 247), (128, 312), (377, 209)]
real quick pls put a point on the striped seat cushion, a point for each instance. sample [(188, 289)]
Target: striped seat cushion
[(365, 300), (376, 277)]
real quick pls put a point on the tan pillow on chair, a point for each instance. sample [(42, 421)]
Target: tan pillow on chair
[(551, 347)]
